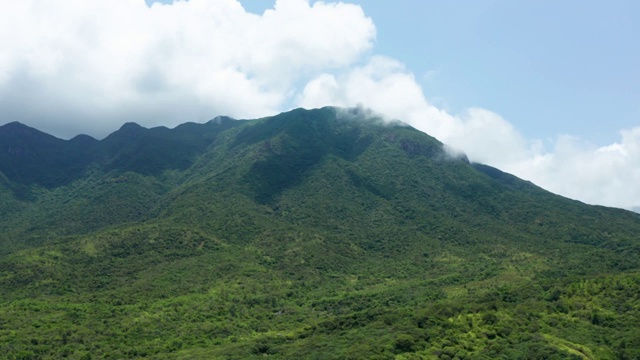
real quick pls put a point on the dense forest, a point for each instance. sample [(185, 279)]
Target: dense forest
[(313, 234)]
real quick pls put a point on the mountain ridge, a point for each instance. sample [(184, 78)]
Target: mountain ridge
[(320, 233)]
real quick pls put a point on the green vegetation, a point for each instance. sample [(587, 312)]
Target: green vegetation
[(314, 234)]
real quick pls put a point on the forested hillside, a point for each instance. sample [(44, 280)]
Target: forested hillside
[(313, 234)]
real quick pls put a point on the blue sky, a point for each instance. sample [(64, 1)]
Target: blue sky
[(546, 90)]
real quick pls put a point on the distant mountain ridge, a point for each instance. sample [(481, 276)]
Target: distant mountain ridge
[(325, 233), (29, 156)]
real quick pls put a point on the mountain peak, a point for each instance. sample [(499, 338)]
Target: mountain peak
[(11, 124), (83, 137), (220, 120), (127, 132), (131, 126), (16, 127)]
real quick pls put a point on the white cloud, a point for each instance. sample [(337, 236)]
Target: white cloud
[(606, 175), (384, 85), (88, 65), (387, 87)]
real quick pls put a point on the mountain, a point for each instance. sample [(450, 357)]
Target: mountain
[(30, 156), (325, 233)]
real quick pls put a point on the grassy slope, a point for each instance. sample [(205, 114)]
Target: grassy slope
[(376, 245)]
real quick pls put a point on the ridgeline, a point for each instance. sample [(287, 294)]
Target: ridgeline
[(313, 234)]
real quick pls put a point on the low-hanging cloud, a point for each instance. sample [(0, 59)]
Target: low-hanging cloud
[(87, 66), (606, 175)]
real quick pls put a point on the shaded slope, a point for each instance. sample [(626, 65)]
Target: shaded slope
[(315, 233), (65, 187), (29, 156), (152, 151)]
